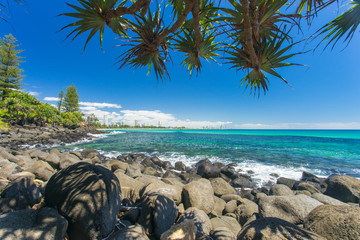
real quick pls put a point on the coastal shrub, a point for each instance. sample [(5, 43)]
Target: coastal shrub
[(22, 108)]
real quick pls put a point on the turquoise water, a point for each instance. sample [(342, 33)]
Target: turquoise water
[(260, 152)]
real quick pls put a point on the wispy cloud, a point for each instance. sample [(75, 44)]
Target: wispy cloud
[(34, 93), (88, 104), (100, 105)]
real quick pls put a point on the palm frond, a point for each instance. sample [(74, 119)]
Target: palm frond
[(271, 57), (187, 44), (147, 49), (90, 18), (346, 23)]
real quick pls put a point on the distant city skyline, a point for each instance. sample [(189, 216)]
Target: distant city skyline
[(323, 95)]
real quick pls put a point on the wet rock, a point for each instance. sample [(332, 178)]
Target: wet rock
[(228, 222), (275, 229), (221, 187), (180, 166), (222, 233), (306, 176), (170, 174), (151, 171), (208, 170), (344, 188), (200, 219), (293, 209), (88, 196), (199, 194), (242, 182), (89, 153), (286, 181), (281, 190), (167, 165), (188, 177), (334, 222), (23, 187), (185, 230)]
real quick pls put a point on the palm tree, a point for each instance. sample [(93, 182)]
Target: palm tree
[(255, 36)]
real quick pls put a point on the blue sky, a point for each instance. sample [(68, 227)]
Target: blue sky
[(325, 94)]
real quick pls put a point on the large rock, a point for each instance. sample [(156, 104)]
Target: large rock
[(281, 190), (219, 206), (184, 230), (35, 153), (54, 160), (221, 187), (335, 222), (208, 170), (42, 170), (160, 188), (12, 204), (242, 182), (327, 200), (231, 206), (200, 219), (199, 194), (293, 209), (286, 181), (30, 224), (222, 233), (165, 214), (307, 186), (23, 187), (244, 211), (275, 229), (132, 232), (344, 188), (129, 187), (7, 168), (88, 196), (229, 222), (66, 160)]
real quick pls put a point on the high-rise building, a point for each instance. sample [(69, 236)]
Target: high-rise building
[(136, 123), (105, 120)]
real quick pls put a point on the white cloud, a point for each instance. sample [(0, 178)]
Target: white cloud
[(100, 105), (34, 93), (328, 125), (88, 104), (88, 108), (51, 99)]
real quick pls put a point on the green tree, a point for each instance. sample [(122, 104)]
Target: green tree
[(71, 99), (61, 99), (10, 73), (254, 36)]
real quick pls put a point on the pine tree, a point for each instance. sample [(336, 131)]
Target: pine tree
[(61, 100), (10, 73), (71, 99)]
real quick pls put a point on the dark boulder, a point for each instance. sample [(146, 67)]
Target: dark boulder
[(23, 187), (344, 188), (88, 196), (12, 204), (309, 177), (165, 214), (208, 170), (180, 166), (242, 182), (286, 181), (130, 233)]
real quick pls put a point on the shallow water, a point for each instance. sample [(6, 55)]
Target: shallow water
[(284, 152)]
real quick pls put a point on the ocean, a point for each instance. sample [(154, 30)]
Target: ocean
[(264, 154)]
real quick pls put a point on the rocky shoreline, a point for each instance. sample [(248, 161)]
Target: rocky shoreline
[(21, 137), (48, 194)]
